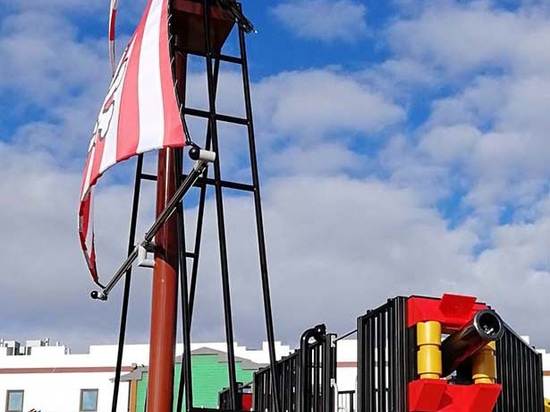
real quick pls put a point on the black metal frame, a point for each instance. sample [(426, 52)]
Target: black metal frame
[(519, 371), (346, 401), (383, 339), (212, 61), (224, 396), (188, 281), (306, 378)]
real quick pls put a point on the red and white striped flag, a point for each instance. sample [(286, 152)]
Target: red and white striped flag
[(140, 112)]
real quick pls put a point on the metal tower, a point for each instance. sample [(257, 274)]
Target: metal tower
[(198, 30)]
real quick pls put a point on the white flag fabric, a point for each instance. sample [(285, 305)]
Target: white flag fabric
[(140, 112)]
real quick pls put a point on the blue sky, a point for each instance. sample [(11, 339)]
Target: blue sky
[(403, 150)]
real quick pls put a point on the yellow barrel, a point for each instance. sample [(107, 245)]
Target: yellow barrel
[(484, 365), (546, 405), (428, 339)]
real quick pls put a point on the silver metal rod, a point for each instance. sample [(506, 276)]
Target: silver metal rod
[(170, 208)]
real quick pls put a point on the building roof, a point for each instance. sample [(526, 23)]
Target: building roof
[(246, 364)]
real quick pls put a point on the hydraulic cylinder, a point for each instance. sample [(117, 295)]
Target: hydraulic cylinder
[(428, 338)]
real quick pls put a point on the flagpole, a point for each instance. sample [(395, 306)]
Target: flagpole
[(164, 293)]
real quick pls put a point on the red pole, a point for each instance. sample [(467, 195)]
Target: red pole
[(164, 299)]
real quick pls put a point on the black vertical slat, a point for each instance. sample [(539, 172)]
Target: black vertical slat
[(540, 385), (376, 357), (402, 355), (294, 394), (220, 214), (283, 368), (319, 386), (331, 368), (262, 249), (377, 371), (361, 344), (382, 361), (516, 383), (371, 365), (303, 383), (519, 371), (256, 390), (317, 370), (186, 363), (368, 348), (392, 373), (290, 395), (531, 378), (283, 383), (313, 378), (127, 282)]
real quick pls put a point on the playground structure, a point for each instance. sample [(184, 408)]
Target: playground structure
[(451, 354), (415, 354)]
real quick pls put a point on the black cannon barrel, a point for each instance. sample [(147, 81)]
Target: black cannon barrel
[(484, 327)]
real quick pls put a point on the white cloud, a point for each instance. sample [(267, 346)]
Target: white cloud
[(43, 63), (485, 133), (341, 20), (342, 244), (316, 103), (451, 144), (324, 159), (458, 38)]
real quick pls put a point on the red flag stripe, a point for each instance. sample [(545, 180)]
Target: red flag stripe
[(173, 135), (140, 112), (129, 116)]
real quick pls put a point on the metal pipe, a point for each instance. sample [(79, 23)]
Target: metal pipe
[(164, 294), (304, 389), (127, 282), (212, 128), (262, 250), (484, 327), (186, 381)]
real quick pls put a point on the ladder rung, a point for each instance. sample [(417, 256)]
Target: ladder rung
[(216, 116)]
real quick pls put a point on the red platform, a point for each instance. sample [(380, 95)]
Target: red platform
[(436, 395)]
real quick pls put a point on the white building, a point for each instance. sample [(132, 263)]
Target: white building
[(50, 379)]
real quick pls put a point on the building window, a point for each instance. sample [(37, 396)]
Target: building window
[(88, 400), (14, 401)]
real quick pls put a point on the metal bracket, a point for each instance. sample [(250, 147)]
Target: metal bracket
[(142, 259)]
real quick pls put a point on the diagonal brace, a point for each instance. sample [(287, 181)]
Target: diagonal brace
[(202, 159)]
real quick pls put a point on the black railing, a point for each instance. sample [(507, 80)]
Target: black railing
[(346, 401), (386, 358), (305, 377), (519, 371), (224, 396)]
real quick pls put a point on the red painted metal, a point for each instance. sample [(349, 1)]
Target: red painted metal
[(437, 395), (187, 20), (187, 24), (246, 401), (164, 295), (433, 395), (452, 311)]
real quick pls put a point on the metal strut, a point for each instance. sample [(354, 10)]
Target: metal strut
[(202, 158)]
